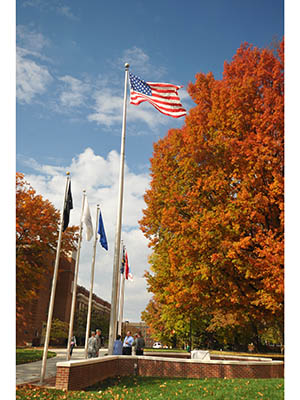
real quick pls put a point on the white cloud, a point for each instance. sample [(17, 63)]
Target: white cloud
[(146, 113), (107, 108), (51, 6), (108, 111), (66, 12), (32, 78), (33, 3), (74, 92), (99, 176), (100, 100), (30, 39), (140, 63)]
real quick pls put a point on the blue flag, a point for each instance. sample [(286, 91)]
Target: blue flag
[(101, 232), (122, 269)]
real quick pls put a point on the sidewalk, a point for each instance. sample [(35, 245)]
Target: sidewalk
[(31, 372)]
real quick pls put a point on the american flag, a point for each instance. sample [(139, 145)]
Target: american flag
[(163, 96)]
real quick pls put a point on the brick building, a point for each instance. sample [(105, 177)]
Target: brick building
[(134, 327), (98, 304), (31, 329)]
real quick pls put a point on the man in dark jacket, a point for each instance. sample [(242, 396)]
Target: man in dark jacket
[(140, 344)]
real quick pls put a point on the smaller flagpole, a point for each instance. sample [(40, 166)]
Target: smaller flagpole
[(120, 283), (75, 282), (118, 289), (88, 323), (121, 304), (53, 288)]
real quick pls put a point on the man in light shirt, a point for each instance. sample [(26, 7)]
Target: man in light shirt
[(127, 344)]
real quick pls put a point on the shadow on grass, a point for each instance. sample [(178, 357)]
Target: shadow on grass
[(128, 381)]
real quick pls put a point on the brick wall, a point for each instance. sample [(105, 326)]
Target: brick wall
[(76, 375), (63, 298), (209, 369)]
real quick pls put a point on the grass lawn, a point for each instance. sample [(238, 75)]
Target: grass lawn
[(24, 356), (146, 388)]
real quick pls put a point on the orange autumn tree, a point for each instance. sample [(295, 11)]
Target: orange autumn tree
[(37, 226), (214, 215)]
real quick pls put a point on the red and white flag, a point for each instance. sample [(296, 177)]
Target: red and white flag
[(128, 274), (126, 266), (163, 96)]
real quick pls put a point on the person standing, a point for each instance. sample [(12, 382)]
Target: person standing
[(127, 344), (140, 344), (99, 340), (92, 346), (135, 336), (118, 346), (73, 344)]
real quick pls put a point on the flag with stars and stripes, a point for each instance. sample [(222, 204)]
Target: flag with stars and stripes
[(163, 96)]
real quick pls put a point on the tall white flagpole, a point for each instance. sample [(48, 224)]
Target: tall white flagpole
[(88, 323), (75, 281), (53, 288), (113, 312)]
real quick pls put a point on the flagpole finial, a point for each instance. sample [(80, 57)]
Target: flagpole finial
[(126, 66), (68, 173)]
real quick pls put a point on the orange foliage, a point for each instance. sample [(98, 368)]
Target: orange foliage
[(37, 225), (214, 215)]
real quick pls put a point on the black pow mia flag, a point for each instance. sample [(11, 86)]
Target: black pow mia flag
[(68, 208)]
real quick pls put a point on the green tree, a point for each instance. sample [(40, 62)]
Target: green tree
[(59, 332), (98, 321)]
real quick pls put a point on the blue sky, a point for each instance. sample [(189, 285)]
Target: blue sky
[(80, 48), (70, 84)]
